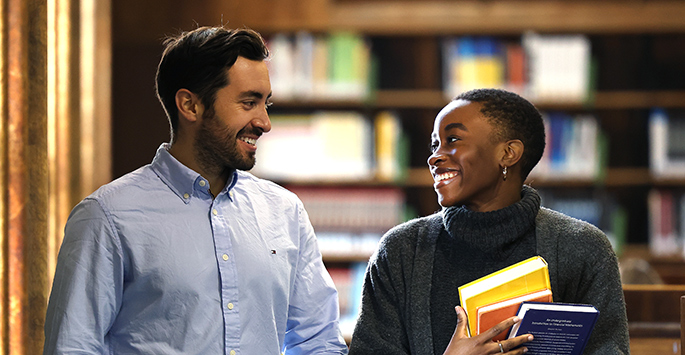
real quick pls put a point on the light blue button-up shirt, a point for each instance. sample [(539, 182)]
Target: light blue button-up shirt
[(152, 264)]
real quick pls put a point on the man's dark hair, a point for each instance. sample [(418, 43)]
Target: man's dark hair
[(512, 117), (198, 61)]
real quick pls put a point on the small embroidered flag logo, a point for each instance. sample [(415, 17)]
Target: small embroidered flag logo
[(273, 251)]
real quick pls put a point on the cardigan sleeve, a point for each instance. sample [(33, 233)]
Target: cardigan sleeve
[(602, 288), (587, 272)]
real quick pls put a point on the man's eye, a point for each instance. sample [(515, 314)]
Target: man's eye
[(433, 147), (249, 104), (452, 139), (269, 104)]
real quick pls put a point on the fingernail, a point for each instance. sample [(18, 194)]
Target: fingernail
[(530, 337), (525, 350), (516, 319)]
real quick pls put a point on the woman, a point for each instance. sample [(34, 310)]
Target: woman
[(484, 144)]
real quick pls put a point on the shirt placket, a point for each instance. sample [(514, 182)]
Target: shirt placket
[(222, 233)]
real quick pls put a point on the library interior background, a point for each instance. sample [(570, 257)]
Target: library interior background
[(356, 86)]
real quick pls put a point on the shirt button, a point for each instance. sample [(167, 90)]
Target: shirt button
[(231, 193), (230, 306), (232, 352), (202, 183), (186, 195), (215, 212), (225, 257)]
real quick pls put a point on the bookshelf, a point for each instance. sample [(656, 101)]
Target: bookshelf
[(638, 47)]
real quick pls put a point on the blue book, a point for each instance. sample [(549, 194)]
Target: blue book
[(557, 328)]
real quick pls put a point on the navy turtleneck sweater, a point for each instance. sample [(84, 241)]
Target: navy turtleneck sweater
[(472, 245)]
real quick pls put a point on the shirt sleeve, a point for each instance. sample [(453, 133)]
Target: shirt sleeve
[(87, 288), (313, 313)]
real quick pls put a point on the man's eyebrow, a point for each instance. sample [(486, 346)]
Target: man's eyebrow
[(254, 94), (456, 126)]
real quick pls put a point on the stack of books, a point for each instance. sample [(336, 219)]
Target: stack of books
[(524, 289), (496, 297)]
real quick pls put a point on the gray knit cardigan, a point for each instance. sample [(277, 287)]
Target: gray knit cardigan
[(395, 312)]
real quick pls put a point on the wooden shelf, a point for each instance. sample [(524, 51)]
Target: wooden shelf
[(638, 99), (436, 99), (401, 17), (346, 258), (507, 17)]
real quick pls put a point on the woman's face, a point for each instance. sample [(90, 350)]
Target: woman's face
[(465, 159)]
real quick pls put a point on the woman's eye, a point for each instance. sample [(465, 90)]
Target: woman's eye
[(452, 139), (433, 147)]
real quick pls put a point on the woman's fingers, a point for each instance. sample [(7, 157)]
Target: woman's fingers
[(502, 326), (509, 346), (514, 343), (460, 330)]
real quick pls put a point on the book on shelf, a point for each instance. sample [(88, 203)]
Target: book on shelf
[(516, 68), (667, 143), (334, 146), (392, 147), (281, 66), (557, 328), (541, 67), (348, 280), (474, 62), (559, 67), (522, 278), (327, 145), (491, 314), (664, 237), (352, 209), (349, 221), (573, 147), (305, 66), (349, 67)]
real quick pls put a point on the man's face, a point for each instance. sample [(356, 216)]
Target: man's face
[(465, 159), (228, 135)]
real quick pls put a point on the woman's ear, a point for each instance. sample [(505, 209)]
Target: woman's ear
[(189, 106), (513, 150)]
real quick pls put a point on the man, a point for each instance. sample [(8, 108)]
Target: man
[(190, 254)]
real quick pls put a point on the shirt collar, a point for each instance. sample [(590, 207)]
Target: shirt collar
[(182, 180)]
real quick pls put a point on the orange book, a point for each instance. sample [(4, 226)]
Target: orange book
[(522, 278), (490, 315)]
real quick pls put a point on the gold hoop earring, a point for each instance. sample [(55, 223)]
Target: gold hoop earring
[(504, 173)]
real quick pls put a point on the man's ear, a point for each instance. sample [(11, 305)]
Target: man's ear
[(513, 150), (188, 105)]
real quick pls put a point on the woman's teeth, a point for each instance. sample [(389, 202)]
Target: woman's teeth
[(445, 176)]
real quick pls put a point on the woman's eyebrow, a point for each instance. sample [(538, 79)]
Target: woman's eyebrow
[(456, 126)]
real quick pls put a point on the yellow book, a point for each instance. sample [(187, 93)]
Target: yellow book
[(524, 277)]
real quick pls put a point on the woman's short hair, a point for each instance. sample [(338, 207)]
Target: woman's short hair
[(512, 117)]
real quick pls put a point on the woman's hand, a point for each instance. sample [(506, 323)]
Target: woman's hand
[(482, 343)]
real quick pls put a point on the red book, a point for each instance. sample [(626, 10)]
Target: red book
[(491, 314)]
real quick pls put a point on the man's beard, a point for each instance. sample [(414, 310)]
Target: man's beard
[(217, 147)]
